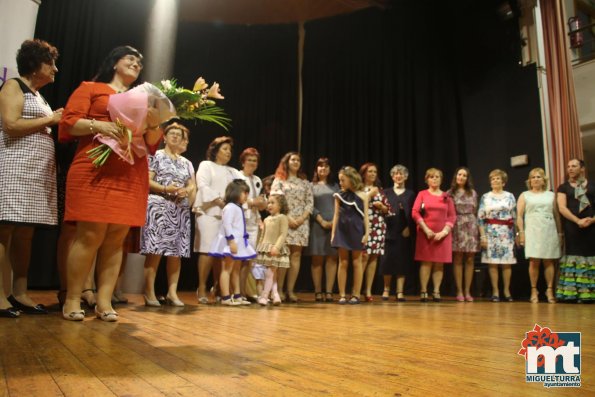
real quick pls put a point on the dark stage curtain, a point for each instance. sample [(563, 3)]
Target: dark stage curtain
[(257, 69), (380, 86), (84, 31)]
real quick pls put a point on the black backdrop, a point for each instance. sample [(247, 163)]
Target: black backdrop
[(418, 84)]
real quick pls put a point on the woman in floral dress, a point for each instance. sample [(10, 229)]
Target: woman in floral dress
[(465, 234), (292, 182), (378, 208), (497, 214)]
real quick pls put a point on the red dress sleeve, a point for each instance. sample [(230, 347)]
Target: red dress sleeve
[(77, 108)]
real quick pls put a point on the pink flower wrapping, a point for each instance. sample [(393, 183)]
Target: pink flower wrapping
[(130, 108)]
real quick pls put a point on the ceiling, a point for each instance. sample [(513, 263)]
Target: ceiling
[(254, 12)]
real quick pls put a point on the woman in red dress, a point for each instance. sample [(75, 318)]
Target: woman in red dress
[(435, 215), (103, 202)]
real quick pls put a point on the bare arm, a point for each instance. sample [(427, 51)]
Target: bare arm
[(520, 222), (12, 101), (335, 219)]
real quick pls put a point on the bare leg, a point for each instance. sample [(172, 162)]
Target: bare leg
[(506, 273), (371, 272), (342, 271), (400, 286), (281, 275), (387, 278), (457, 261), (118, 296), (533, 277), (174, 264), (357, 272), (330, 274), (88, 294), (225, 277), (425, 269), (548, 272), (5, 237), (89, 236), (244, 275), (151, 266), (493, 270), (437, 275), (295, 256), (67, 234), (469, 271), (20, 257), (109, 260), (235, 277), (317, 274), (204, 268)]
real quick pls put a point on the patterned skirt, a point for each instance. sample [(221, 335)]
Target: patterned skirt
[(263, 258), (577, 278), (167, 229)]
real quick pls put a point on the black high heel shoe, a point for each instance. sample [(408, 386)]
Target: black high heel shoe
[(37, 309)]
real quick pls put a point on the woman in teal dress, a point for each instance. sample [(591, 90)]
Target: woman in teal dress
[(539, 229)]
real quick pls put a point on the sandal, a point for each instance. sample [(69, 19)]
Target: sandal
[(354, 300), (436, 296), (534, 298), (423, 297), (495, 298), (318, 297), (329, 297), (369, 298), (401, 297), (342, 300), (385, 294)]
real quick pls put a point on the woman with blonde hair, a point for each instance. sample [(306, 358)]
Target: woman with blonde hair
[(539, 228), (497, 213), (434, 213)]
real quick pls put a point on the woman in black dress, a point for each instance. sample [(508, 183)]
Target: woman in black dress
[(399, 243), (576, 198)]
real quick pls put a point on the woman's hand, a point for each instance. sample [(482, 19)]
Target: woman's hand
[(292, 223), (483, 242), (378, 205), (364, 240), (56, 116), (440, 235), (328, 225), (152, 119), (233, 246), (406, 232), (274, 251), (429, 233), (108, 129), (219, 202)]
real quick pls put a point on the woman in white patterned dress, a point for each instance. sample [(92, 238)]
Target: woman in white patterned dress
[(497, 212), (167, 230), (540, 230), (290, 179), (212, 178), (28, 197)]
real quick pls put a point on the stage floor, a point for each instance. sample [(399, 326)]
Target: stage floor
[(311, 349)]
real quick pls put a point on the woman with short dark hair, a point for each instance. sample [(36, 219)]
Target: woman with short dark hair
[(28, 195), (576, 203), (212, 178)]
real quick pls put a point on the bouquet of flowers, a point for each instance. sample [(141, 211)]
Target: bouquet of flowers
[(129, 111), (198, 103)]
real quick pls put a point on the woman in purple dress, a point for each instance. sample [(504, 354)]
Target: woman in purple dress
[(167, 230)]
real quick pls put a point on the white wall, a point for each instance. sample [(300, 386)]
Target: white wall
[(17, 23)]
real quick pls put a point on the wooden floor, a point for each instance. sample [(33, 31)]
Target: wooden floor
[(381, 349)]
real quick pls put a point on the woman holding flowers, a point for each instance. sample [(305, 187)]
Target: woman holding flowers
[(104, 202), (167, 230), (212, 178)]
